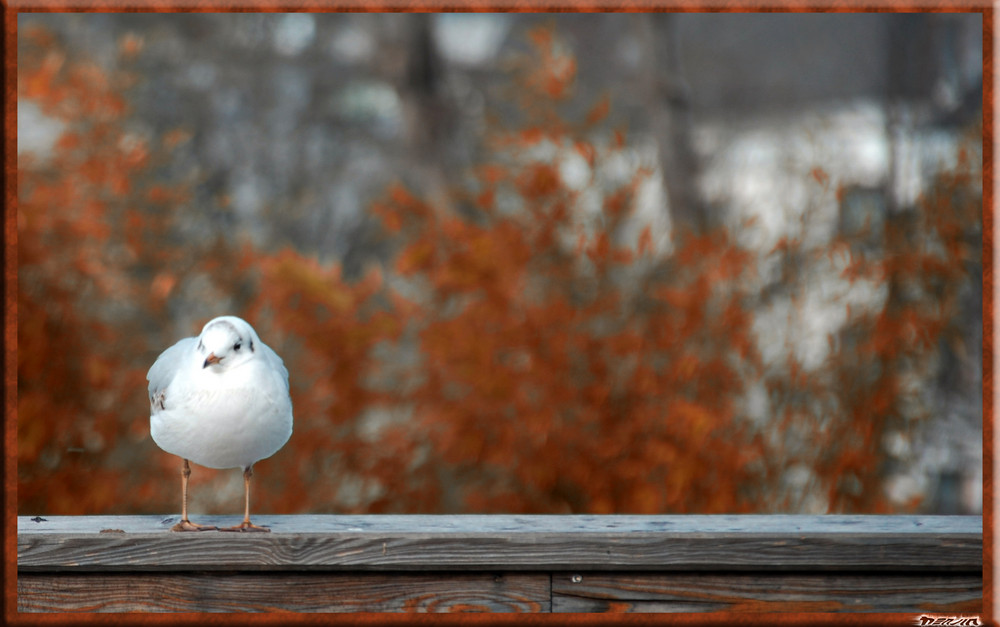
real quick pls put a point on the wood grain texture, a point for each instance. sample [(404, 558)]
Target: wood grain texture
[(300, 592), (549, 563), (499, 543), (495, 524), (766, 592)]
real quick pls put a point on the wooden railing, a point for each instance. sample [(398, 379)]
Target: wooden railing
[(918, 564)]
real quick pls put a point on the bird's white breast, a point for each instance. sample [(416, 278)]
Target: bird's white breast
[(223, 420)]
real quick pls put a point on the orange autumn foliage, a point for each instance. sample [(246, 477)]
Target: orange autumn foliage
[(548, 386), (514, 358), (77, 250)]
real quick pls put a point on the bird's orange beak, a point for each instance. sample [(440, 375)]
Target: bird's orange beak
[(211, 359)]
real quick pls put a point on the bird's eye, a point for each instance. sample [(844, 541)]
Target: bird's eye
[(237, 346)]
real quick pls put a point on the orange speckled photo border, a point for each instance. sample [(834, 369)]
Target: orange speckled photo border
[(528, 6), (13, 7)]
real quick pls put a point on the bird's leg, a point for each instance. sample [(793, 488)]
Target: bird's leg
[(246, 525), (185, 524)]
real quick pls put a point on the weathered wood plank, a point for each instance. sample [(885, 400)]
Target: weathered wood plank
[(299, 592), (524, 543), (392, 524), (766, 592), (446, 563)]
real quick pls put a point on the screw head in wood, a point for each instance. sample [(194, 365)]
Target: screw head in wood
[(576, 578)]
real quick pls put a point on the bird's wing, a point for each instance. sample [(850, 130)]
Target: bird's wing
[(275, 361), (166, 366)]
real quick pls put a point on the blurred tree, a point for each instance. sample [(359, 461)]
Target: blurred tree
[(84, 265), (668, 100), (925, 90), (430, 114), (532, 354)]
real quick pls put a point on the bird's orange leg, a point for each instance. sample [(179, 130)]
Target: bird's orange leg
[(246, 525), (185, 524)]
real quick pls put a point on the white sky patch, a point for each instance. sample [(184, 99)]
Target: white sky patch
[(247, 195), (374, 103), (803, 326), (352, 46), (651, 210), (903, 488), (618, 168), (294, 33), (574, 170), (470, 39), (37, 133), (764, 169)]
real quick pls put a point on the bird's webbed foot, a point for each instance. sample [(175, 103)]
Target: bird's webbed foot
[(246, 525), (187, 525)]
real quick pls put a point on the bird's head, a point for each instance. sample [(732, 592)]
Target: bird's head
[(227, 342)]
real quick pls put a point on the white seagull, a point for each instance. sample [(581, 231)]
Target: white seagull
[(220, 400)]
